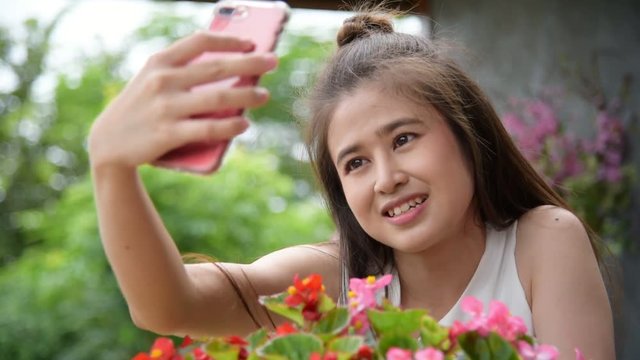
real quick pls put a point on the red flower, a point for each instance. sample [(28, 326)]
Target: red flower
[(199, 354), (162, 349), (330, 356), (310, 312), (240, 343), (285, 329), (306, 292), (236, 340), (364, 353), (186, 342)]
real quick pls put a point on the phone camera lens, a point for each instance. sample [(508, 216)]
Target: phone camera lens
[(227, 11)]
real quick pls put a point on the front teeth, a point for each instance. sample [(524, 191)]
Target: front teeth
[(406, 206)]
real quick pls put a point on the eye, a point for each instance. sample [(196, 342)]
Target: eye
[(402, 139), (353, 164)]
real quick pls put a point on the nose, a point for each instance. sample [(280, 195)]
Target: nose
[(389, 177)]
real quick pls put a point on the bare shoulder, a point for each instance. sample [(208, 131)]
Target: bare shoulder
[(546, 229), (568, 299), (550, 237)]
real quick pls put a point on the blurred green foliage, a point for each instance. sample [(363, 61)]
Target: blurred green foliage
[(60, 299)]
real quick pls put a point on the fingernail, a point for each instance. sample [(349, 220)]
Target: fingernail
[(271, 60), (248, 45), (262, 93), (244, 125)]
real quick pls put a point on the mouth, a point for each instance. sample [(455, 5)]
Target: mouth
[(402, 208)]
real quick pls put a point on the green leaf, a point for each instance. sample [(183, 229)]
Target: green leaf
[(230, 354), (388, 341), (333, 322), (396, 322), (346, 345), (492, 347), (467, 342), (276, 304), (257, 339), (293, 347), (326, 304), (500, 348), (431, 333)]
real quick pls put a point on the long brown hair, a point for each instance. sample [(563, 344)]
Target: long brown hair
[(506, 185)]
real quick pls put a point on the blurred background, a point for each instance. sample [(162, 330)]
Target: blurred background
[(563, 76)]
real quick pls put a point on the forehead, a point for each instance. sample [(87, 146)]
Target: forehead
[(360, 113)]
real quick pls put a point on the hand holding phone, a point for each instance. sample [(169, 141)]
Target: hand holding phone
[(261, 22)]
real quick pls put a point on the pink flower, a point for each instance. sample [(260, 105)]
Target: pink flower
[(499, 320), (395, 353), (457, 329), (429, 354), (472, 306), (360, 322), (531, 146), (514, 125), (537, 352), (579, 355), (363, 292), (545, 120)]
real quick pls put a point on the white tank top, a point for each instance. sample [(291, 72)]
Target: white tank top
[(496, 278)]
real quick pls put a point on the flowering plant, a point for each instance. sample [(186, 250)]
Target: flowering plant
[(365, 330), (591, 172)]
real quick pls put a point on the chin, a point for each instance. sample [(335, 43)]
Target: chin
[(413, 246)]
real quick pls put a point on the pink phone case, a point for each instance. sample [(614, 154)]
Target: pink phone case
[(261, 21)]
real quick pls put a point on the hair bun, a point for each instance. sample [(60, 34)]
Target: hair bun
[(362, 26)]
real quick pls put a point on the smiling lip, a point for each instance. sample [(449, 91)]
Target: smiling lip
[(408, 216), (411, 206)]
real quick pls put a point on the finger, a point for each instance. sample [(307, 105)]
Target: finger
[(209, 130), (206, 100), (188, 48), (216, 69)]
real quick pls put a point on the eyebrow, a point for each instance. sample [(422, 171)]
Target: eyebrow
[(382, 131)]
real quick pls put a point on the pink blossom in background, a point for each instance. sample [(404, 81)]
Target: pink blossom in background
[(529, 145), (514, 125), (609, 146), (566, 152), (545, 122)]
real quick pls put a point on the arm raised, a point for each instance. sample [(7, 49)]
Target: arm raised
[(148, 118)]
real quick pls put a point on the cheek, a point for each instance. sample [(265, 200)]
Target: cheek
[(464, 182), (357, 198)]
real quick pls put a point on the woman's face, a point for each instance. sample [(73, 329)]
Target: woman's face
[(402, 170)]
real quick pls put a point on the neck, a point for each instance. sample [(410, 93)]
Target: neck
[(436, 278)]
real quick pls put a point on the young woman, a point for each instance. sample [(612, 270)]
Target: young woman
[(419, 174)]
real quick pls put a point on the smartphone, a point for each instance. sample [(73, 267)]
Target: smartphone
[(260, 21)]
